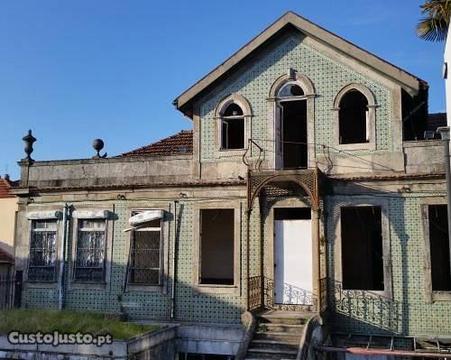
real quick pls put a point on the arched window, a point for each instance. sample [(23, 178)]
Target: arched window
[(353, 118), (290, 89), (232, 127)]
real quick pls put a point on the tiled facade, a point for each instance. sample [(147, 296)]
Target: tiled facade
[(368, 176)]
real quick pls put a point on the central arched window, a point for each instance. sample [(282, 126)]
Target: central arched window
[(232, 127), (353, 118), (290, 89)]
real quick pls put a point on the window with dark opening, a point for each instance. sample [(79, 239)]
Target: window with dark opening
[(353, 118), (294, 134), (90, 256), (361, 243), (439, 247), (145, 260), (217, 246), (42, 263), (232, 123)]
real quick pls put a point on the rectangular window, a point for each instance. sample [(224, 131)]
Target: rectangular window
[(439, 247), (362, 251), (42, 263), (90, 256), (145, 254), (217, 246), (233, 133)]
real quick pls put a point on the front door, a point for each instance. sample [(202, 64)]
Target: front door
[(293, 271)]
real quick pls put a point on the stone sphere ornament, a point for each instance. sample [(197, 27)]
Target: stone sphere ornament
[(98, 145)]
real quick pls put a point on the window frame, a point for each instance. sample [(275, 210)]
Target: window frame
[(161, 253), (57, 260), (386, 241), (238, 223), (77, 230), (245, 106), (370, 118), (429, 294)]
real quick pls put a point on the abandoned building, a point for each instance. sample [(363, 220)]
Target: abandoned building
[(311, 186)]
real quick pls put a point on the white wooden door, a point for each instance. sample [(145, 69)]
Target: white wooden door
[(293, 272)]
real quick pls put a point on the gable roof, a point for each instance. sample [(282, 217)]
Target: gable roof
[(182, 102), (6, 186), (178, 144)]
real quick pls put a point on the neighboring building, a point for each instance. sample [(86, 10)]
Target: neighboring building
[(446, 75), (8, 210), (305, 184)]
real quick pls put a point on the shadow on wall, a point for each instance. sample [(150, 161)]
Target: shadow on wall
[(372, 311)]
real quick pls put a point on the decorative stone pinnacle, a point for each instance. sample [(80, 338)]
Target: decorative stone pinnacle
[(29, 140)]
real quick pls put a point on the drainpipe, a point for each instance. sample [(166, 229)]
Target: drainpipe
[(174, 263), (62, 256), (444, 133)]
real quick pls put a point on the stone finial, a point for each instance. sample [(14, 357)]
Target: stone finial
[(98, 145), (29, 140)]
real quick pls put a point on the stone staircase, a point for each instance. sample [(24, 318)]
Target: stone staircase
[(277, 335)]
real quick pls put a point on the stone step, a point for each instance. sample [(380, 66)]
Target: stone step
[(284, 337), (273, 345), (256, 353), (287, 318), (283, 328)]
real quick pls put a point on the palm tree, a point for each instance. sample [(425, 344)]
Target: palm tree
[(434, 25)]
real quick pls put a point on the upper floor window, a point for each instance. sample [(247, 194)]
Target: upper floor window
[(353, 118), (90, 254), (232, 127), (42, 263), (290, 89)]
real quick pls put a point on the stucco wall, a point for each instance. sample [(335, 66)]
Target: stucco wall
[(8, 208)]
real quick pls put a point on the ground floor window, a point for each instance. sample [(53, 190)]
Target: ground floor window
[(217, 237), (145, 254), (42, 262), (362, 250), (439, 247), (90, 253)]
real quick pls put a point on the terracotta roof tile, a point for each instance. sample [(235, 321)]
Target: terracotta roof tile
[(5, 257), (178, 144), (5, 187)]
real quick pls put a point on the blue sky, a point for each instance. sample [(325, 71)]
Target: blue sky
[(75, 70)]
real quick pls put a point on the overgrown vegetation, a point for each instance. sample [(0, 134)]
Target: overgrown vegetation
[(33, 320)]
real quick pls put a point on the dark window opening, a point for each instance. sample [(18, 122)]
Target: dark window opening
[(217, 246), (439, 246), (414, 114), (145, 259), (361, 242), (294, 134), (289, 90), (353, 118), (292, 214), (232, 131)]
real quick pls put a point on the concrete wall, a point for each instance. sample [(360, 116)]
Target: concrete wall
[(8, 208)]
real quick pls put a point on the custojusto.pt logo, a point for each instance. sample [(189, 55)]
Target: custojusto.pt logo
[(56, 338)]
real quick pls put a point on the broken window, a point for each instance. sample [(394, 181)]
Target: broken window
[(217, 239), (361, 243), (292, 107), (353, 118), (42, 263), (90, 254), (439, 247), (232, 123), (145, 260)]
